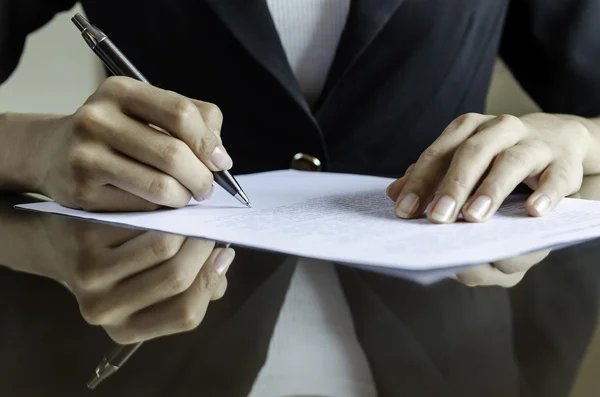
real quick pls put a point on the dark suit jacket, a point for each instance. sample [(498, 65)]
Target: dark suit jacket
[(404, 69)]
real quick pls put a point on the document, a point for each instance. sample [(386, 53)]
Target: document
[(349, 219)]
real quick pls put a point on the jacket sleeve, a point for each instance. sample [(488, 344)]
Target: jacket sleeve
[(553, 49), (18, 18)]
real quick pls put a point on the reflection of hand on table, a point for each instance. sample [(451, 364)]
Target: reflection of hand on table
[(136, 285), (508, 273), (505, 273)]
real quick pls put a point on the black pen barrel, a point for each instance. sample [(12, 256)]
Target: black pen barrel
[(117, 62)]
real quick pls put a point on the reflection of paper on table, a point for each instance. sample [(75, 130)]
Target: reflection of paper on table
[(348, 219)]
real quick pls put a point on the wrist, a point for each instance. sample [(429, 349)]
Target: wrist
[(27, 139), (21, 238)]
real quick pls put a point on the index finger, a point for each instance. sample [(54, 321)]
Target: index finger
[(432, 165), (175, 113)]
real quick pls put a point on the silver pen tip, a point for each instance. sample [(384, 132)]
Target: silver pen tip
[(94, 382), (242, 198), (103, 371)]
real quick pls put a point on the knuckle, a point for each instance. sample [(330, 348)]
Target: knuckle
[(114, 84), (92, 312), (467, 119), (82, 195), (189, 317), (88, 118), (511, 122), (508, 119), (161, 187), (178, 280), (86, 278), (81, 159), (514, 157), (172, 152), (183, 112), (165, 247), (213, 113), (580, 132), (471, 147), (432, 153)]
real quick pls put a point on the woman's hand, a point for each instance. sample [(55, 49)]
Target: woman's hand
[(505, 273), (479, 160), (136, 285), (109, 157)]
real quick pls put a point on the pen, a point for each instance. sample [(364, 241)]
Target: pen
[(112, 362), (119, 65)]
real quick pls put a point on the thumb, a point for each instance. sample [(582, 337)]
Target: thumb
[(215, 269), (559, 180), (212, 116)]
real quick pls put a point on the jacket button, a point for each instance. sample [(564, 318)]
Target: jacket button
[(305, 162)]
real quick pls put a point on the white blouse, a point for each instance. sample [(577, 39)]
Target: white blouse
[(310, 31), (314, 350)]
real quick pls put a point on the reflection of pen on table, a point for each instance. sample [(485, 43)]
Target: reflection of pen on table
[(112, 361), (119, 65)]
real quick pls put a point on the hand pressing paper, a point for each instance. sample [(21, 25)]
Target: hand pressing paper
[(349, 219)]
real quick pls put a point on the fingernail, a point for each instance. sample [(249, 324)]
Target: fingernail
[(480, 207), (209, 194), (408, 205), (224, 260), (221, 159), (444, 209), (542, 204)]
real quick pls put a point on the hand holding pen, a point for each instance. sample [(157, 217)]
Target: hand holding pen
[(108, 155), (134, 147), (136, 285)]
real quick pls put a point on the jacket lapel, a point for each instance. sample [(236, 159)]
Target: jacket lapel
[(366, 20), (251, 23)]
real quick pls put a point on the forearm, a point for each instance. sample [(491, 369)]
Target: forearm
[(23, 139)]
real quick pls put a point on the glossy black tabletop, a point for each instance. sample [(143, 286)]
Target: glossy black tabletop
[(522, 329)]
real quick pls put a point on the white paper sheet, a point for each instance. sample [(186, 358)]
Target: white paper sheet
[(349, 219)]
